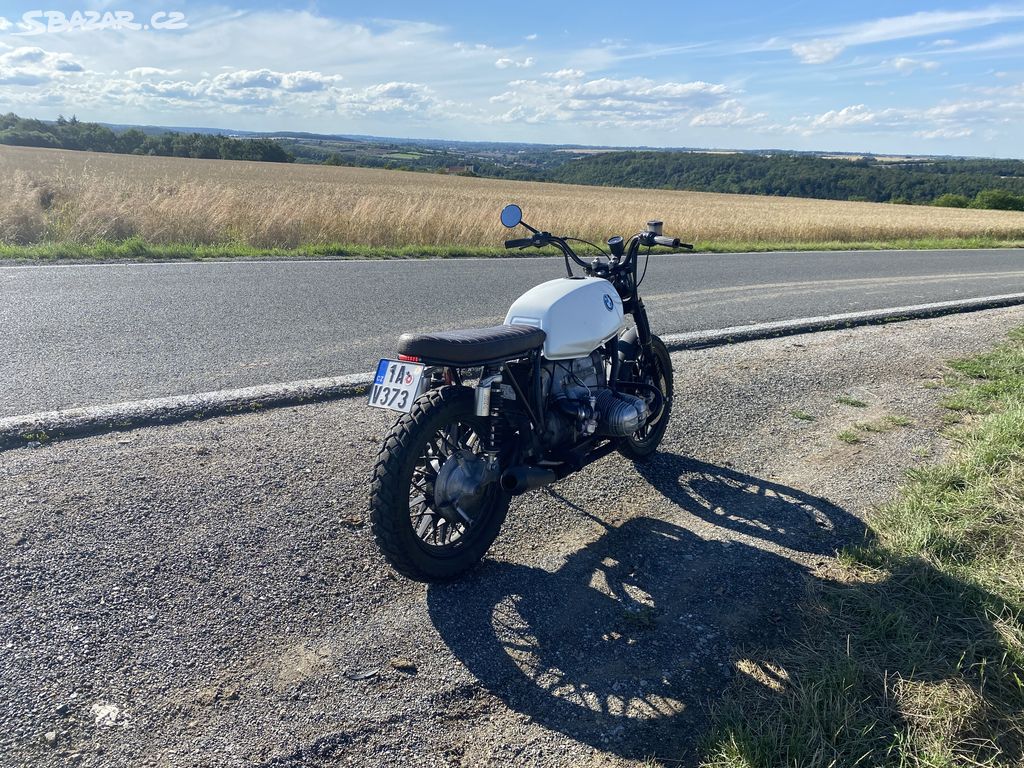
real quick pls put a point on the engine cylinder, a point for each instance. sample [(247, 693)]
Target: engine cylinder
[(619, 414)]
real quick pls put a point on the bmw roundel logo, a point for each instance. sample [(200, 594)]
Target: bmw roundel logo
[(608, 303)]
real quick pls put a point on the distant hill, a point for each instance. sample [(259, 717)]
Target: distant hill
[(939, 180)]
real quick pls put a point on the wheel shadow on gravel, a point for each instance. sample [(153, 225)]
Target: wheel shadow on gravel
[(751, 506), (625, 645)]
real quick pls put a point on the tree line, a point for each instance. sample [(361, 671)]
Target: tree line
[(75, 134), (953, 182)]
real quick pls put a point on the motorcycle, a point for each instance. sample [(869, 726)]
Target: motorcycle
[(560, 384)]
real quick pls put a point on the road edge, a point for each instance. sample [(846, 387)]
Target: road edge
[(34, 429), (741, 333)]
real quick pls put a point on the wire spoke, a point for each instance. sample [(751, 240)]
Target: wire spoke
[(434, 529), (424, 526)]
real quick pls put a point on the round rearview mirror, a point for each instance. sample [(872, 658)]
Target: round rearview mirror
[(511, 215)]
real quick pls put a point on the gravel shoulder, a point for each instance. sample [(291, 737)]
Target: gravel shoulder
[(207, 594)]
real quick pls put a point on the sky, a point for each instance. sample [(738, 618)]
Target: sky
[(884, 77)]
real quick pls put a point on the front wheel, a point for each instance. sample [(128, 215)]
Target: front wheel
[(434, 509), (654, 369)]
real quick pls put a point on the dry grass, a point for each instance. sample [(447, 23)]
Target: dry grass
[(78, 197)]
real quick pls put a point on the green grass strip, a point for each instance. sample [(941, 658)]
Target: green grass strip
[(912, 651), (138, 250)]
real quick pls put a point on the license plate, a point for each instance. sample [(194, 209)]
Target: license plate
[(396, 385)]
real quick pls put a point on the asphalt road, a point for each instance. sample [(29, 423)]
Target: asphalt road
[(91, 334)]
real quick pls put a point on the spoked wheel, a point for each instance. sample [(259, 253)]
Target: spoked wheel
[(655, 370), (433, 508)]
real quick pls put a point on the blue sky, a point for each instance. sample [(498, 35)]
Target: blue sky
[(897, 77)]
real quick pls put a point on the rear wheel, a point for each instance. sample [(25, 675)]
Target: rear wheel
[(433, 513), (654, 369)]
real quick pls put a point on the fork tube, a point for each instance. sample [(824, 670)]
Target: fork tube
[(538, 395)]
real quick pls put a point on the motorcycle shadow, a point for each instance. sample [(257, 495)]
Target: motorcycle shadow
[(625, 645)]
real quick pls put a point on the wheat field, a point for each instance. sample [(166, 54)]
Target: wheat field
[(56, 196)]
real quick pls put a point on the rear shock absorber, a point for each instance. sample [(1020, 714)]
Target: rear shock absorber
[(488, 396)]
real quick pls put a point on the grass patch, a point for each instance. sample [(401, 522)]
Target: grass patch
[(884, 424), (912, 652), (850, 436), (137, 249), (802, 415), (851, 401)]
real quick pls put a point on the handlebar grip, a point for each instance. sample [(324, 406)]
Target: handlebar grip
[(671, 242), (687, 246), (520, 242)]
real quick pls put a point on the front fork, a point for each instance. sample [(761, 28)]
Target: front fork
[(643, 326)]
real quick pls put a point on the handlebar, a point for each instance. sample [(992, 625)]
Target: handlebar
[(648, 238), (662, 240)]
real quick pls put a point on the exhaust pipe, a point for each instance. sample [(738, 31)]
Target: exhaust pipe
[(522, 479)]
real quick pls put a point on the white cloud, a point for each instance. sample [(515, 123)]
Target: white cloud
[(5, 24), (945, 133), (36, 77), (468, 48), (818, 51), (146, 72), (30, 66), (729, 113), (608, 102), (858, 114), (1013, 91), (566, 74), (826, 46), (532, 36), (243, 79), (181, 78), (278, 40), (998, 43), (905, 65), (506, 63), (948, 120), (389, 97)]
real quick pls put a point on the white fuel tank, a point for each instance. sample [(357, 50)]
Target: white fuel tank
[(578, 314)]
